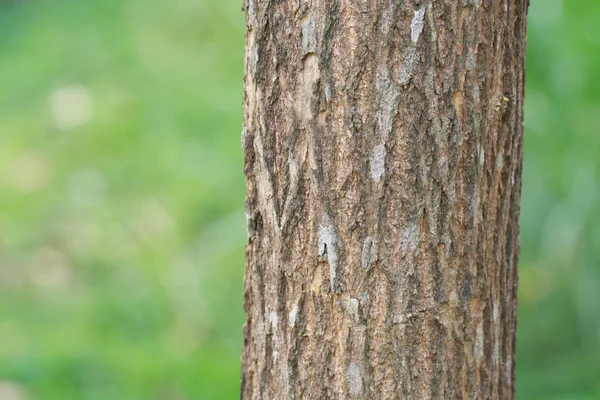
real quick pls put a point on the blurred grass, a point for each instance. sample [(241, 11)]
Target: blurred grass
[(121, 201), (558, 336), (121, 198)]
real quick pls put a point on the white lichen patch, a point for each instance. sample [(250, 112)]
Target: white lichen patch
[(292, 316), (410, 61), (274, 320), (368, 253), (309, 36), (378, 162), (416, 26), (328, 246), (481, 156), (293, 168), (352, 308), (251, 8), (476, 93), (478, 346), (248, 218), (411, 235), (496, 352), (454, 298), (508, 369), (382, 78), (354, 379), (499, 162), (244, 137), (399, 319), (255, 59)]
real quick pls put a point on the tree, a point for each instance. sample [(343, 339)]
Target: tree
[(383, 156)]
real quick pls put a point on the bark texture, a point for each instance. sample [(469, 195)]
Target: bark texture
[(383, 155)]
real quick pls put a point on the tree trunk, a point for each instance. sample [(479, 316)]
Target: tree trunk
[(383, 155)]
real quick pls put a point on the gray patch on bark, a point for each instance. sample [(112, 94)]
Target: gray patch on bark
[(251, 8), (481, 156), (410, 61), (411, 236), (244, 137), (471, 62), (368, 252), (416, 26), (364, 299), (328, 92), (378, 162), (499, 162), (293, 315), (354, 379), (478, 346), (309, 36), (274, 320), (352, 308), (328, 246)]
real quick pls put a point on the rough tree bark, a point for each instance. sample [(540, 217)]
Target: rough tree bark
[(383, 155)]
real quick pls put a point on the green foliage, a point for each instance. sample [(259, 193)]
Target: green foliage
[(121, 200), (558, 336)]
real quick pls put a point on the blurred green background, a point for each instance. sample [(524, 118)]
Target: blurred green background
[(121, 201)]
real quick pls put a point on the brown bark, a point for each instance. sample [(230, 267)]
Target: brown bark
[(383, 155)]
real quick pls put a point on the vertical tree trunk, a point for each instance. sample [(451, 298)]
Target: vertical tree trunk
[(383, 155)]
